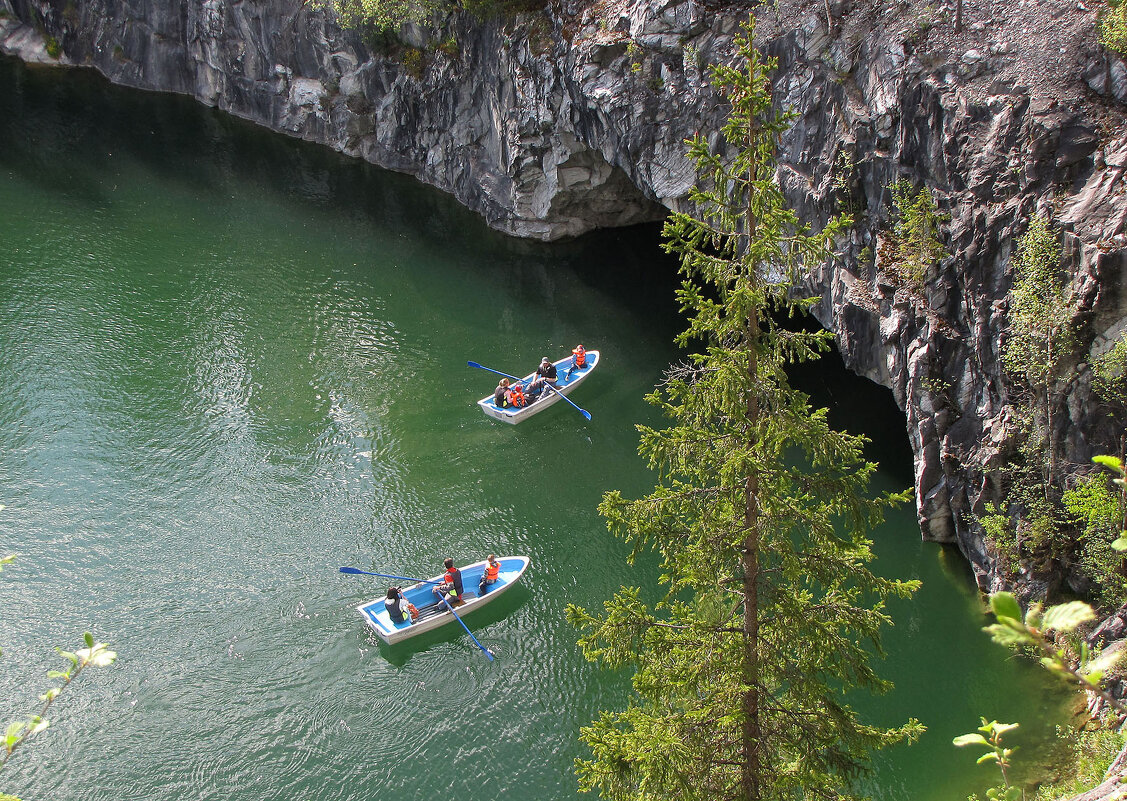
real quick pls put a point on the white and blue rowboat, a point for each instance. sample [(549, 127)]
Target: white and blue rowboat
[(565, 384), (432, 615)]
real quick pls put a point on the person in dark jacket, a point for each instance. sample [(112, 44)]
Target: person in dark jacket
[(398, 608), (501, 394), (546, 376)]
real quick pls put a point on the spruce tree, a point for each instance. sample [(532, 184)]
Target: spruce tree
[(771, 617)]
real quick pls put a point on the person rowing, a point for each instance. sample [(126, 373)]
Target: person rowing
[(546, 375)]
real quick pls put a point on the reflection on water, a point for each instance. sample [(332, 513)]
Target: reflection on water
[(234, 363)]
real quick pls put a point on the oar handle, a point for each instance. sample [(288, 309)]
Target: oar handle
[(490, 369)]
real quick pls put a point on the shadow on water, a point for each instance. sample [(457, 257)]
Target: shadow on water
[(45, 112), (401, 653)]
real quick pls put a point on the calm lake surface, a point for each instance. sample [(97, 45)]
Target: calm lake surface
[(232, 363)]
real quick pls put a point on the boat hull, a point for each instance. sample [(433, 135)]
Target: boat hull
[(431, 615), (564, 386)]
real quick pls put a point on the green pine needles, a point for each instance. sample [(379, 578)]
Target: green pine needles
[(761, 513), (914, 238)]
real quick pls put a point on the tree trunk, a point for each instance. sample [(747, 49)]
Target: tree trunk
[(751, 768)]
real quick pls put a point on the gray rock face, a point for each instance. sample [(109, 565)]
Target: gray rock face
[(554, 124)]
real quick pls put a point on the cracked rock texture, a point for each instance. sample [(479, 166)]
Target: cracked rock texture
[(558, 122)]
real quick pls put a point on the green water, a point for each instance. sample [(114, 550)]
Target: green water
[(232, 363)]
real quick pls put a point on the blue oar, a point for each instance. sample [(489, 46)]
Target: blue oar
[(358, 571), (583, 412), (484, 650), (387, 575)]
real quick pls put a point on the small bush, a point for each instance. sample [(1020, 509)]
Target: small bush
[(450, 48), (1091, 752), (413, 62), (914, 240), (1113, 27)]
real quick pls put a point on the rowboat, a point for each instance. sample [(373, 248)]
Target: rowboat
[(433, 615), (565, 384)]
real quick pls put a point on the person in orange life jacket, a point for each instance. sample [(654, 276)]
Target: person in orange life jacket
[(492, 570), (578, 360), (398, 607), (515, 396), (500, 395), (451, 587)]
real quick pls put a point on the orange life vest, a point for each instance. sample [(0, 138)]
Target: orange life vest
[(491, 571), (579, 357), (516, 395)]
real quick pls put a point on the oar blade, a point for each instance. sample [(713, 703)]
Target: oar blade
[(352, 570)]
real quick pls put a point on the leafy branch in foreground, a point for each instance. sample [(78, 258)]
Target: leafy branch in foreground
[(989, 735), (761, 513), (1115, 465), (1073, 661), (95, 654), (1067, 656)]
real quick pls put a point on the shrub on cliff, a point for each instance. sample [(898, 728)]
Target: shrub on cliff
[(1113, 27)]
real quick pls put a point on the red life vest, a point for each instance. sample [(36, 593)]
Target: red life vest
[(491, 571), (516, 395), (453, 582), (579, 357)]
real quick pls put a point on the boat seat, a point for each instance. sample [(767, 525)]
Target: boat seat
[(430, 610)]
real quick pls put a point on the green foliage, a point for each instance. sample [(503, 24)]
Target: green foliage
[(388, 16), (1040, 332), (760, 515), (914, 243), (414, 62), (1113, 27), (18, 732), (1109, 371), (1115, 465), (1051, 634), (1099, 514), (1038, 340), (842, 175), (989, 736), (54, 49), (999, 529), (1027, 526), (1066, 655), (1090, 754), (449, 48), (382, 15)]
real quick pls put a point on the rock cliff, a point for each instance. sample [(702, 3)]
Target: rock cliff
[(558, 122)]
